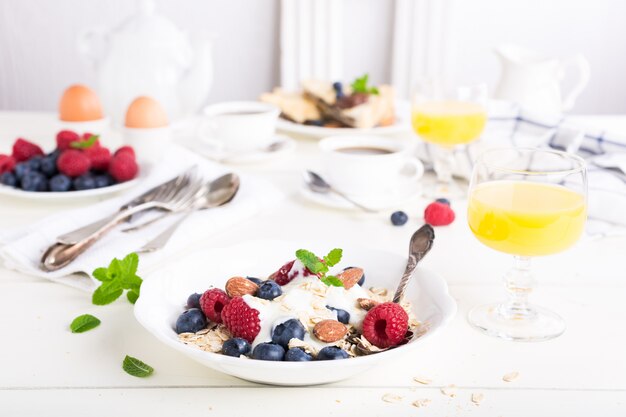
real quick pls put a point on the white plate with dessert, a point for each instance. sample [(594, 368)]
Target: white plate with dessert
[(324, 108), (255, 319)]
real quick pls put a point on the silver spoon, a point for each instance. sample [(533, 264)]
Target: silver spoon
[(317, 184), (272, 147), (421, 242)]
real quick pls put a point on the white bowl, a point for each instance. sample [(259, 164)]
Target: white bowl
[(164, 293)]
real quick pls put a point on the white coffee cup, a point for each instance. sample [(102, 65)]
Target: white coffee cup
[(239, 125), (370, 165)]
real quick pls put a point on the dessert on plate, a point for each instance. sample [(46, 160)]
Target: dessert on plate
[(301, 312), (331, 104)]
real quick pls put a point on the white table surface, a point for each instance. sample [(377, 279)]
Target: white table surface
[(46, 370)]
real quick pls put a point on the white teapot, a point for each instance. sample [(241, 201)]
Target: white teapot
[(534, 81), (148, 55)]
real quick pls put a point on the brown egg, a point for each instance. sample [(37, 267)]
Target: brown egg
[(79, 104), (145, 113)]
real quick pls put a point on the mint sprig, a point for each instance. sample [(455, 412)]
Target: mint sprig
[(359, 85), (83, 323), (135, 367), (312, 262), (84, 144), (120, 275)]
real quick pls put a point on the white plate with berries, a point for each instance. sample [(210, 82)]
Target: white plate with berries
[(78, 167), (250, 317)]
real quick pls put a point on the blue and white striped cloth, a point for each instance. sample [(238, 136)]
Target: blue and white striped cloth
[(604, 151)]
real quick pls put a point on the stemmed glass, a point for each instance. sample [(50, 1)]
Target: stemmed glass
[(527, 203), (448, 118)]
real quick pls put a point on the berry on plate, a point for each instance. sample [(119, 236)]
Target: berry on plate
[(8, 178), (34, 181), (193, 301), (103, 180), (7, 163), (190, 321), (123, 167), (331, 353), (212, 302), (100, 158), (342, 315), (60, 183), (48, 165), (399, 218), (73, 163), (84, 182), (257, 281), (385, 325), (23, 150), (285, 274), (438, 214), (242, 320), (269, 290), (297, 355), (443, 201), (284, 332), (125, 150), (268, 352), (65, 138), (236, 347)]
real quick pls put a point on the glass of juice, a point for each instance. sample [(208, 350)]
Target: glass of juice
[(447, 118), (526, 203)]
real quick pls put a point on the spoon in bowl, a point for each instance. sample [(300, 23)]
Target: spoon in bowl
[(421, 242), (319, 185)]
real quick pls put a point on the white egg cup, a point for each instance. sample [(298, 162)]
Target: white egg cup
[(149, 143)]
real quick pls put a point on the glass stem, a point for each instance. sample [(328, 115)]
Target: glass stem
[(444, 163), (519, 284)]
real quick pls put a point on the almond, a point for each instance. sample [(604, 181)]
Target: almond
[(350, 277), (329, 331), (366, 303), (239, 286)]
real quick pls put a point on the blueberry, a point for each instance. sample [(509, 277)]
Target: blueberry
[(286, 331), (60, 183), (34, 181), (54, 154), (236, 347), (399, 218), (337, 86), (48, 166), (102, 181), (297, 355), (319, 123), (268, 352), (331, 353), (193, 301), (8, 178), (257, 281), (34, 163), (190, 321), (342, 315), (21, 169), (362, 280), (84, 182), (443, 201), (269, 290)]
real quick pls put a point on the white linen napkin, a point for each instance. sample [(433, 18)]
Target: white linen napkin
[(22, 248)]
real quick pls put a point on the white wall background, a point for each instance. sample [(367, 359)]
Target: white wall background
[(38, 56)]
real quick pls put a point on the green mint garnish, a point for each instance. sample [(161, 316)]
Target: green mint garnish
[(135, 367), (312, 262), (120, 275), (84, 144), (360, 86), (83, 323)]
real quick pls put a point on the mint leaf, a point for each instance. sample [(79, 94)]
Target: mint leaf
[(332, 280), (83, 323), (135, 367), (359, 85), (129, 264), (84, 144), (311, 261), (107, 293), (132, 296), (101, 274), (333, 257)]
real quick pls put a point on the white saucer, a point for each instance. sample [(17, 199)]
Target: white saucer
[(377, 202), (242, 157)]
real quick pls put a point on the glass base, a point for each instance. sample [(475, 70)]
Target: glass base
[(535, 324)]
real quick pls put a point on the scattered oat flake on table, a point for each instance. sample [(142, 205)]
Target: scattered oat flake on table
[(450, 391), (392, 398), (422, 380), (510, 377), (477, 398), (422, 402)]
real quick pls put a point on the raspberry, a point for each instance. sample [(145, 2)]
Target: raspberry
[(241, 319), (7, 163), (125, 150), (212, 302), (385, 325), (283, 275), (65, 137), (23, 150), (438, 214), (123, 168), (73, 163), (99, 157)]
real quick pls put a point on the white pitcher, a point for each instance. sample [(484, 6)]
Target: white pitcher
[(534, 81)]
